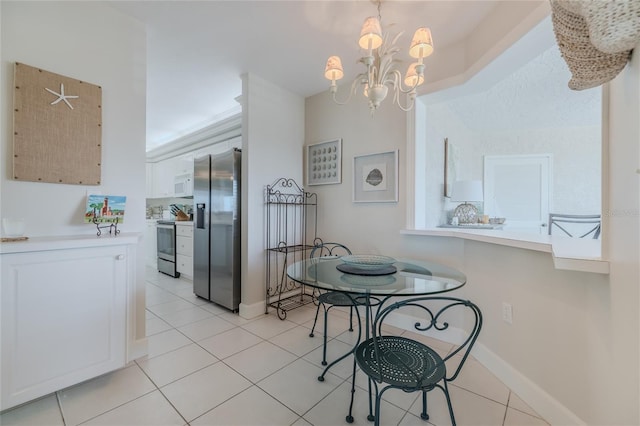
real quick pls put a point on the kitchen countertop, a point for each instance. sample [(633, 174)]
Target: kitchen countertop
[(68, 242)]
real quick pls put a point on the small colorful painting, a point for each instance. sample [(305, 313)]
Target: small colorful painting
[(105, 209)]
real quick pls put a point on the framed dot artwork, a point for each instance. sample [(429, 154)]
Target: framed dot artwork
[(324, 162)]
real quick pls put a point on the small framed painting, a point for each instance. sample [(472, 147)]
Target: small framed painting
[(105, 209), (324, 162), (375, 178)]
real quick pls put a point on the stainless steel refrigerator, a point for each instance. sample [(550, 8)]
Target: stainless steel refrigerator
[(216, 236)]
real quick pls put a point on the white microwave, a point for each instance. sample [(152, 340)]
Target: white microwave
[(183, 185)]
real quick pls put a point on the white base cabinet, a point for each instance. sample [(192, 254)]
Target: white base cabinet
[(64, 318), (184, 249)]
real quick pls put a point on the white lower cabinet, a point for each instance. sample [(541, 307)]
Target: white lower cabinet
[(64, 319), (184, 249), (151, 243)]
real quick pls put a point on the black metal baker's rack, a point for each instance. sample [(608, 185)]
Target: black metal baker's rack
[(291, 224)]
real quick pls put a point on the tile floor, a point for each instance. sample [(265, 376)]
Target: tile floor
[(207, 366)]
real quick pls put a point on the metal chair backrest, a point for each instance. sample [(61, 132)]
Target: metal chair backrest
[(434, 314), (329, 250), (574, 225)]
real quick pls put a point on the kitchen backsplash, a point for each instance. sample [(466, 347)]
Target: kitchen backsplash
[(160, 208)]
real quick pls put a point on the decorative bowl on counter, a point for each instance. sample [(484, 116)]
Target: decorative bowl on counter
[(497, 220), (368, 261)]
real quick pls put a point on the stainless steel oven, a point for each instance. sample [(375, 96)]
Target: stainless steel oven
[(166, 232)]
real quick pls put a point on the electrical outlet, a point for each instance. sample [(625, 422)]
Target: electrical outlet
[(507, 313)]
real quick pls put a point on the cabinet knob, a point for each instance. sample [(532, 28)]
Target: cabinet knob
[(120, 257)]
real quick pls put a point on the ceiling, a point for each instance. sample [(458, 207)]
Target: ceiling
[(198, 50)]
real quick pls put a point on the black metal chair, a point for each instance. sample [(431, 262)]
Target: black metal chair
[(574, 225), (330, 299), (401, 363)]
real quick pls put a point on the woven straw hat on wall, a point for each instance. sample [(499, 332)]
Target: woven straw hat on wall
[(590, 66)]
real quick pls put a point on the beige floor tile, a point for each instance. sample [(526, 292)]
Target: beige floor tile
[(297, 386), (301, 422), (476, 378), (469, 409), (397, 397), (302, 314), (230, 342), (176, 364), (205, 328), (259, 361), (94, 397), (214, 308), (265, 410), (159, 296), (188, 295), (170, 307), (166, 341), (156, 325), (337, 323), (518, 418), (204, 390), (333, 409), (232, 317), (335, 349), (149, 410), (44, 411), (517, 403), (269, 326), (186, 316), (297, 341)]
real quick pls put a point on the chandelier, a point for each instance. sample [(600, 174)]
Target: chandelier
[(381, 72)]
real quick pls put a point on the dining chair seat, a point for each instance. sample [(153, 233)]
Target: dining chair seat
[(336, 298), (400, 358)]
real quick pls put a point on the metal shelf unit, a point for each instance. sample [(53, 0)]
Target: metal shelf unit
[(291, 224)]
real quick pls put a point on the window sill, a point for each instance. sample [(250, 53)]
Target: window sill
[(568, 253)]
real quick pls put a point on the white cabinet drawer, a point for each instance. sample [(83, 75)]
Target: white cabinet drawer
[(184, 246), (184, 230), (184, 265)]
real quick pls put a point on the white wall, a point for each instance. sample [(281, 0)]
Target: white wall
[(91, 42), (572, 350), (272, 135)]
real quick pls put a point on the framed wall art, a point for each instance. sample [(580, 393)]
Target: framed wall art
[(375, 178), (324, 162), (451, 160)]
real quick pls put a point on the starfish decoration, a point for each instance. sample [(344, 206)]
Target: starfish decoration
[(61, 96)]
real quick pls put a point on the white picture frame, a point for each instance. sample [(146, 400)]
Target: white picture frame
[(375, 177), (324, 162)]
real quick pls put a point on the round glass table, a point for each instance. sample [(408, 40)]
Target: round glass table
[(411, 278), (369, 288)]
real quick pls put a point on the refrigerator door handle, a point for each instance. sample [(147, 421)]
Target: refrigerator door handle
[(200, 215)]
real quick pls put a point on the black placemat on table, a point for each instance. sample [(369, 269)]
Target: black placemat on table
[(352, 269)]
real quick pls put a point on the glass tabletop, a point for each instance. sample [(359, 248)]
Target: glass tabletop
[(412, 277)]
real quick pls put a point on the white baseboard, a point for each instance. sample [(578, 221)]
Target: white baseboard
[(537, 398), (251, 311)]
